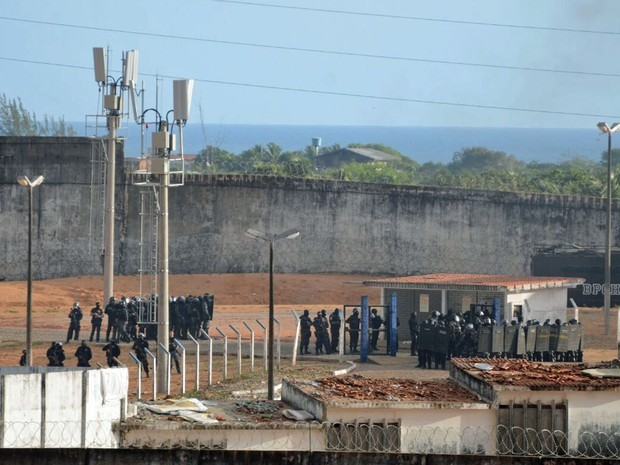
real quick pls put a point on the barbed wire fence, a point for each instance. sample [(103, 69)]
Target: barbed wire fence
[(314, 436)]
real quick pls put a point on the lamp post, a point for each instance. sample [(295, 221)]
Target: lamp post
[(24, 181), (607, 288), (271, 238)]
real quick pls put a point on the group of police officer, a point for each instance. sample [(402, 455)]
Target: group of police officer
[(187, 316), (475, 334), (327, 331)]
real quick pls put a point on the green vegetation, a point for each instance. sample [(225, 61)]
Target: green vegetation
[(470, 168), (15, 120)]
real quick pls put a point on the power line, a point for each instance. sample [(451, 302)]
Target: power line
[(340, 94), (421, 18), (312, 50)]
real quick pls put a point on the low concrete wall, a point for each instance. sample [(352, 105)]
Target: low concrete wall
[(61, 408)]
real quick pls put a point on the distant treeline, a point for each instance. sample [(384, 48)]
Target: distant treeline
[(470, 168)]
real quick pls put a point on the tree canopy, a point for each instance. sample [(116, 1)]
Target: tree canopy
[(15, 120), (470, 168)]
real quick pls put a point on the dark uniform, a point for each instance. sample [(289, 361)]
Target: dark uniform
[(110, 310), (140, 346), (83, 354), (22, 359), (320, 333), (334, 326), (375, 323), (354, 330), (174, 354), (305, 326), (112, 352), (75, 316), (96, 317)]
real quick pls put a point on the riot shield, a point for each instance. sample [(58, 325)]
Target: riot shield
[(484, 339), (574, 338), (427, 337), (442, 340), (530, 338), (562, 346), (554, 337), (510, 340), (542, 338), (497, 339), (520, 350)]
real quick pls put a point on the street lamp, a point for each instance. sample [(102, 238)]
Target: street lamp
[(607, 289), (271, 238), (24, 181)]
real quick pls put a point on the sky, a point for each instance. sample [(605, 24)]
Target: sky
[(451, 63)]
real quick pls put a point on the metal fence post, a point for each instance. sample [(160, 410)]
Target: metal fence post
[(182, 365), (225, 352), (210, 372), (296, 339), (139, 364), (251, 345), (162, 347), (264, 343), (238, 348), (150, 354), (197, 371)]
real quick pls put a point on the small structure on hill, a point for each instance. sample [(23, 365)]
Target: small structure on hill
[(353, 155)]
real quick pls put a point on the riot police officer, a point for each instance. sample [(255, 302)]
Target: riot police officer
[(140, 346), (305, 326), (75, 316), (83, 354), (354, 330), (334, 326)]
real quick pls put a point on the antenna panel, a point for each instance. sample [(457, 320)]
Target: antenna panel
[(130, 72), (99, 59), (182, 95)]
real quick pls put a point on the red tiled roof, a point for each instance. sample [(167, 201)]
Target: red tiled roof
[(534, 375), (476, 280), (359, 388)]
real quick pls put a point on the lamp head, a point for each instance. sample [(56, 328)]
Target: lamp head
[(24, 181), (607, 129)]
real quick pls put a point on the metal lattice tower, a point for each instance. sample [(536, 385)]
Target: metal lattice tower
[(98, 159), (149, 233)]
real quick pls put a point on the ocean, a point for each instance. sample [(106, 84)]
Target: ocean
[(423, 144)]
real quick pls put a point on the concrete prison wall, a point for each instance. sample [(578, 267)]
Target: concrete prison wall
[(345, 227)]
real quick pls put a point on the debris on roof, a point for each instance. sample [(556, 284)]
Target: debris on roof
[(521, 372), (357, 387)]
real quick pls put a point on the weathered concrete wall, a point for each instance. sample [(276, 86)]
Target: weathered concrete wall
[(61, 206), (345, 227)]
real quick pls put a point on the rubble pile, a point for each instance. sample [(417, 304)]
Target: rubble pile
[(521, 372), (357, 387)]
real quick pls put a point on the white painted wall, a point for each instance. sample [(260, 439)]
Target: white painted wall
[(544, 303), (590, 413), (71, 415), (428, 427)]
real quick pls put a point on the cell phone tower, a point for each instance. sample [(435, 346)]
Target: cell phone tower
[(113, 107)]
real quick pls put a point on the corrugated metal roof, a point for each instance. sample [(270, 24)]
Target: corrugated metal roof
[(482, 281), (374, 154)]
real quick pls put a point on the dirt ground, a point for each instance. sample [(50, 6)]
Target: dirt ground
[(239, 298)]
